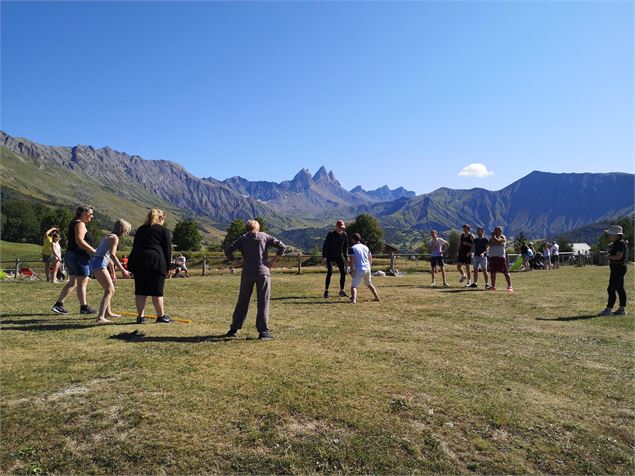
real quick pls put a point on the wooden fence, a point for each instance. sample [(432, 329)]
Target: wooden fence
[(299, 262)]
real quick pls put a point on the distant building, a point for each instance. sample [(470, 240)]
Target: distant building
[(583, 248), (388, 248)]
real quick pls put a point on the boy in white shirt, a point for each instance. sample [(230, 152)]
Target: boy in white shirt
[(360, 260)]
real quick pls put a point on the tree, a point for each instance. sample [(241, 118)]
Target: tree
[(187, 236), (454, 238), (20, 223), (264, 226), (370, 230), (58, 217), (564, 244), (520, 240), (236, 228)]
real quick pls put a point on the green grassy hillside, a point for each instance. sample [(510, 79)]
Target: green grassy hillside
[(24, 251)]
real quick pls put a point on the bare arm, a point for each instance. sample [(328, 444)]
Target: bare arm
[(46, 233), (80, 234), (114, 243)]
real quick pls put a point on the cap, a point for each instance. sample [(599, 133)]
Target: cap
[(614, 230)]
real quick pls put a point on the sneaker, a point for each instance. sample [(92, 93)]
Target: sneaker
[(343, 293), (474, 285), (487, 286), (620, 312), (326, 294), (265, 336), (509, 289), (87, 310), (468, 284), (231, 333), (164, 319), (433, 284), (59, 309), (446, 285), (141, 320), (605, 312), (462, 279)]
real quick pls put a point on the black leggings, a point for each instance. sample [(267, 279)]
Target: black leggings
[(616, 285), (329, 271)]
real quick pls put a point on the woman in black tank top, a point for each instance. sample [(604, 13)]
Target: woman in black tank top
[(77, 256)]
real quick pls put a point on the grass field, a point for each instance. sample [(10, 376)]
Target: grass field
[(427, 381)]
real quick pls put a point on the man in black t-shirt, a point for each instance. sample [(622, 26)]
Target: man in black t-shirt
[(464, 256), (618, 256), (335, 250), (480, 256)]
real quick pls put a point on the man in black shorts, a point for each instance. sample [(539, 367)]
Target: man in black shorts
[(464, 256), (335, 250)]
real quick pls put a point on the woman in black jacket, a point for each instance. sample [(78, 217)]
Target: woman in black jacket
[(149, 261)]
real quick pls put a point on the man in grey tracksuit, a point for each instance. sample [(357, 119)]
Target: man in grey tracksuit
[(256, 271)]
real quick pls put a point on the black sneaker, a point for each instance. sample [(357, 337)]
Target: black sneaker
[(87, 310), (164, 319), (343, 293), (231, 333), (265, 336), (141, 320), (474, 285), (59, 309), (326, 294)]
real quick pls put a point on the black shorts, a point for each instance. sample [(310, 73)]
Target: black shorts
[(554, 258), (463, 258), (437, 261)]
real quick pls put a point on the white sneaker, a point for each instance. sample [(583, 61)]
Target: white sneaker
[(432, 284), (446, 285)]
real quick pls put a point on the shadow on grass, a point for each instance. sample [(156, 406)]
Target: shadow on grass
[(288, 298), (58, 327), (342, 301), (462, 290), (569, 318), (139, 337), (29, 314)]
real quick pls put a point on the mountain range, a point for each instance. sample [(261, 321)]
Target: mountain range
[(541, 204)]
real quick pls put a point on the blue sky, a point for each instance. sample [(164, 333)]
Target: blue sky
[(404, 94)]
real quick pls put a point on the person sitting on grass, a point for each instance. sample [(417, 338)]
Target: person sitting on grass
[(438, 246), (101, 266), (618, 256), (360, 262), (181, 266), (497, 259)]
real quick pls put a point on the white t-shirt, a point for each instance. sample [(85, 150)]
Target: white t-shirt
[(555, 249), (497, 251), (361, 255), (546, 252)]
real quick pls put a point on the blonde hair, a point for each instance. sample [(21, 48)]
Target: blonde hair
[(154, 216), (252, 225), (121, 228)]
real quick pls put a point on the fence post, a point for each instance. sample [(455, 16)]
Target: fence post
[(204, 265), (17, 268), (299, 262), (579, 260), (392, 260)]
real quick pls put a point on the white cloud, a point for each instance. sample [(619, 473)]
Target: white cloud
[(475, 170)]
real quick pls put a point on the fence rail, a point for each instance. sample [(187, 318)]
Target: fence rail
[(299, 261)]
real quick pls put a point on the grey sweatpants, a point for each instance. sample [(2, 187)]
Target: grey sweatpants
[(263, 290)]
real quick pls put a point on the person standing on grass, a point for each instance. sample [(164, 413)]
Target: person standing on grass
[(546, 254), (47, 242), (101, 265), (555, 255), (254, 247), (480, 256), (80, 245), (149, 261), (497, 258), (438, 246), (56, 256), (464, 255), (360, 262), (335, 250), (618, 257)]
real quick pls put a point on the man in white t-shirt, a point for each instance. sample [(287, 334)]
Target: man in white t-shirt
[(555, 255), (360, 260)]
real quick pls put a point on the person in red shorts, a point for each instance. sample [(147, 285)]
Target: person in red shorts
[(497, 259)]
